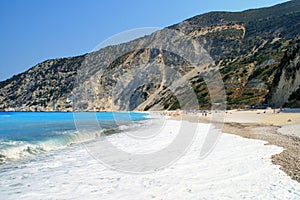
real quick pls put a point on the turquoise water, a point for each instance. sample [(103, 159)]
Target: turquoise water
[(24, 134)]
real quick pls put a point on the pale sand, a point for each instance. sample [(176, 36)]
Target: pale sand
[(268, 118), (263, 125)]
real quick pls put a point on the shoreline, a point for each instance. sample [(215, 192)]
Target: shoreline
[(255, 125)]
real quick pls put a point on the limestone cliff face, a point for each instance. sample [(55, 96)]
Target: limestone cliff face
[(287, 78), (255, 51)]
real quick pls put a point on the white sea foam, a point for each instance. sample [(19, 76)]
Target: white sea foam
[(15, 150), (238, 168)]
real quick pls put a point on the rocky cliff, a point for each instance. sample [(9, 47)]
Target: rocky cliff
[(255, 51), (286, 84)]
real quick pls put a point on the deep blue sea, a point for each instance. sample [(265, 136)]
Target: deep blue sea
[(26, 134)]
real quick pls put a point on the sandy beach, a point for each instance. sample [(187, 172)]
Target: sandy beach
[(275, 127)]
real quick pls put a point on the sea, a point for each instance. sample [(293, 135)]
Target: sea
[(26, 135)]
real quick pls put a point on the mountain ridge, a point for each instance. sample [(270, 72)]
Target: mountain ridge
[(248, 48)]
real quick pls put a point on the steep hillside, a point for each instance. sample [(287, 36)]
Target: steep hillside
[(256, 52), (286, 84), (41, 87)]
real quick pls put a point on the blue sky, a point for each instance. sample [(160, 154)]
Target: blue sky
[(33, 31)]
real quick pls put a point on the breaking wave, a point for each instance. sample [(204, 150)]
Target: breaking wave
[(14, 150)]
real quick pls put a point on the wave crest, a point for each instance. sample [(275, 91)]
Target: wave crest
[(14, 150)]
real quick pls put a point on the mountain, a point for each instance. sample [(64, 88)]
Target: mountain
[(255, 52)]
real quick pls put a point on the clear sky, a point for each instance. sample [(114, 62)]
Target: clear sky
[(32, 31)]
